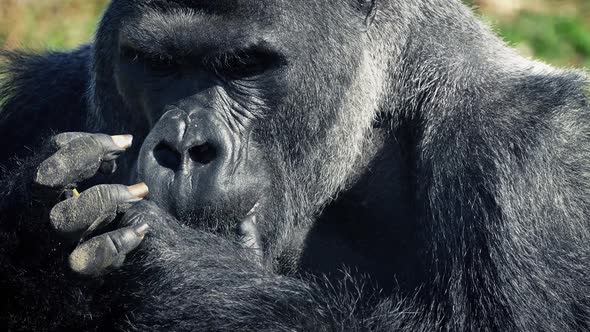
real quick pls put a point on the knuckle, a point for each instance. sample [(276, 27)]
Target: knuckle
[(124, 240), (90, 143), (48, 172), (103, 194), (57, 216), (113, 240), (102, 143), (62, 139)]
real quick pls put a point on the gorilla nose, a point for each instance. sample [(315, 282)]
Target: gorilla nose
[(167, 156), (172, 157), (202, 153)]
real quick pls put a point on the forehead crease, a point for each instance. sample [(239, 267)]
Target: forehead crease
[(186, 30), (212, 6)]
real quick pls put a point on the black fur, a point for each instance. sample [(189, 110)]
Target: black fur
[(46, 93), (444, 184)]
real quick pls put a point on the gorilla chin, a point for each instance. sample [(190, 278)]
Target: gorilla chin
[(219, 182)]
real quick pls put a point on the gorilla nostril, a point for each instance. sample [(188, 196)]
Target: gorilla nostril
[(167, 156), (203, 154)]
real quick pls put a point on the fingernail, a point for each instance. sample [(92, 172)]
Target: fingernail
[(141, 230), (123, 141), (250, 218), (139, 190), (254, 208)]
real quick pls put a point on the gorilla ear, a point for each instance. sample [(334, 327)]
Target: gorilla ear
[(367, 8)]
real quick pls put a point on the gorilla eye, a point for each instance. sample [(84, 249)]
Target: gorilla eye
[(153, 62), (245, 64), (159, 64)]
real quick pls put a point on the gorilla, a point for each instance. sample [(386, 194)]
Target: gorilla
[(318, 165)]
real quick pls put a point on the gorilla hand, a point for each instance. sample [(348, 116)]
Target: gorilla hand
[(164, 225), (80, 157)]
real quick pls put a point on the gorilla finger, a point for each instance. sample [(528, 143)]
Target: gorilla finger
[(96, 255), (63, 139), (118, 262), (80, 159), (249, 237), (78, 216)]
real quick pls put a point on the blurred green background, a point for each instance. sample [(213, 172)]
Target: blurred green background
[(557, 31)]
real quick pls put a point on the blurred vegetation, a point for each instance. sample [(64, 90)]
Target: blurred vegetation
[(54, 24), (557, 31)]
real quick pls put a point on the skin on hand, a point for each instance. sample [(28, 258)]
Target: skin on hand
[(81, 156), (100, 253)]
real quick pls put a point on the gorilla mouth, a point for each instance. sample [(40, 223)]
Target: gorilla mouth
[(215, 218)]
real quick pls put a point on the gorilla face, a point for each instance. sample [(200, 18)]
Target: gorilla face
[(202, 103), (231, 101), (200, 153)]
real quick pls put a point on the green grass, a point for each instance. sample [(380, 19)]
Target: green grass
[(562, 39)]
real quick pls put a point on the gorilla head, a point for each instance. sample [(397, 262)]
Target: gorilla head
[(234, 106)]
